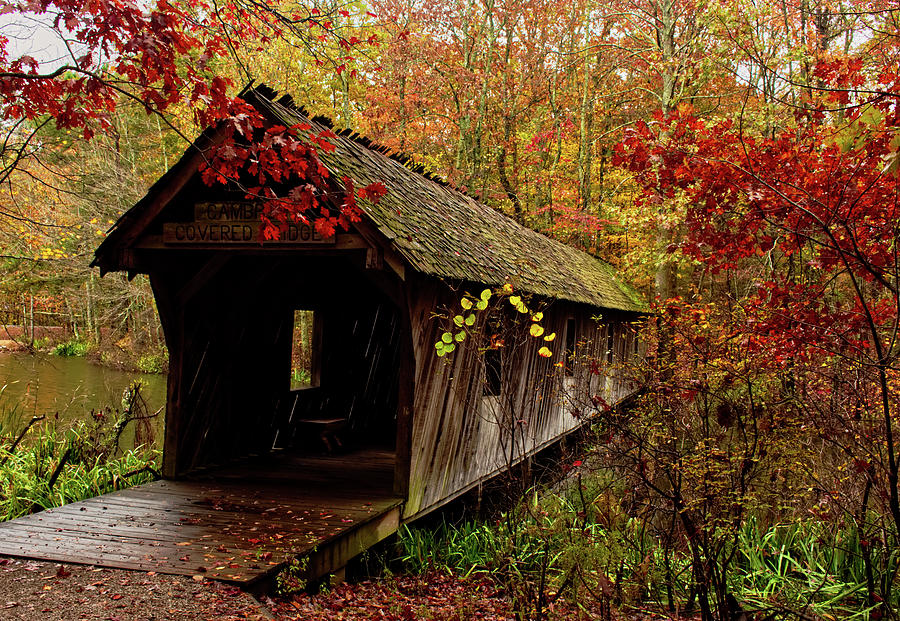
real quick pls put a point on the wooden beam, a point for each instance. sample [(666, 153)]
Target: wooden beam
[(172, 319), (170, 185), (343, 241), (206, 273), (376, 239), (374, 258), (406, 399), (335, 554)]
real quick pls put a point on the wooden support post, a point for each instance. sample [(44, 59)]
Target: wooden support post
[(374, 258), (406, 396), (172, 319)]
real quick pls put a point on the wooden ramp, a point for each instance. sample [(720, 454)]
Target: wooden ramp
[(238, 525)]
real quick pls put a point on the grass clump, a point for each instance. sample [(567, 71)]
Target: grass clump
[(153, 362), (458, 549), (72, 348), (27, 485), (585, 548)]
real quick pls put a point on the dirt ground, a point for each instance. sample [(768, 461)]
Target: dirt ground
[(31, 590)]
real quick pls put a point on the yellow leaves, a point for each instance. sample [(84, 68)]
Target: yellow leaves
[(49, 253), (536, 330), (519, 305), (544, 352)]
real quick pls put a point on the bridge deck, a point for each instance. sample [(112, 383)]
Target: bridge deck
[(237, 525)]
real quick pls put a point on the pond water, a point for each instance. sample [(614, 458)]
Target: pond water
[(42, 384)]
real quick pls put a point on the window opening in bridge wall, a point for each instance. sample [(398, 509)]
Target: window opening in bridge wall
[(305, 347), (493, 372), (571, 339)]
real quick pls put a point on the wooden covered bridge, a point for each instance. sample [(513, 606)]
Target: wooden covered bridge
[(375, 429)]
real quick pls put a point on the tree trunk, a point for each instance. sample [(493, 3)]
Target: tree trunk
[(587, 119)]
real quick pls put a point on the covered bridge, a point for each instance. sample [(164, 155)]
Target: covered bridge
[(228, 308), (363, 304)]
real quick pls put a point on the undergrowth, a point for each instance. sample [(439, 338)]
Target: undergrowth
[(550, 547), (43, 465), (72, 348)]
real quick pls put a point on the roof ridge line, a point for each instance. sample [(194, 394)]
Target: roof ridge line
[(404, 159)]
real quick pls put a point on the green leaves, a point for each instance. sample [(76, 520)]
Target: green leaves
[(459, 320), (443, 349), (445, 345), (448, 341), (483, 300)]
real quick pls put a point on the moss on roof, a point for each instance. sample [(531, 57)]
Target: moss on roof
[(442, 232)]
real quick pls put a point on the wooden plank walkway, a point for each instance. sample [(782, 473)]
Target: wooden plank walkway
[(237, 525)]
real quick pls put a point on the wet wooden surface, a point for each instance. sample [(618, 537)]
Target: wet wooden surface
[(237, 525)]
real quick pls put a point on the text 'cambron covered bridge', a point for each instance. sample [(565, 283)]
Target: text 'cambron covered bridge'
[(415, 430)]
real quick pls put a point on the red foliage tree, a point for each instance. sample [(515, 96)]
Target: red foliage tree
[(806, 225), (164, 57)]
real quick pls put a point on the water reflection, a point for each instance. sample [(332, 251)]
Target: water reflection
[(34, 385)]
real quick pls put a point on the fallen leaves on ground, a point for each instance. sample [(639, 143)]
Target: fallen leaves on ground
[(37, 590), (437, 596), (31, 590)]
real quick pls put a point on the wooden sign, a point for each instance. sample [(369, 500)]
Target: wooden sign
[(234, 222)]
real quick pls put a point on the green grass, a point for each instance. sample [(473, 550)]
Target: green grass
[(156, 362), (25, 476), (462, 549), (72, 348), (811, 567)]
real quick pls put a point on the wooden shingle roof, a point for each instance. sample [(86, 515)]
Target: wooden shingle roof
[(437, 229), (443, 232)]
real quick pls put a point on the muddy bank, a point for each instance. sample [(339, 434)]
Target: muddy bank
[(122, 354), (17, 338)]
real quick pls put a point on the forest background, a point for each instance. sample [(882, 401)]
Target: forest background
[(736, 161)]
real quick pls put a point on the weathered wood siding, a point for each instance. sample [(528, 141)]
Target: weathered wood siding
[(460, 437)]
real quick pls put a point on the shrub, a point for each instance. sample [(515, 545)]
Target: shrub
[(157, 362), (73, 347)]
